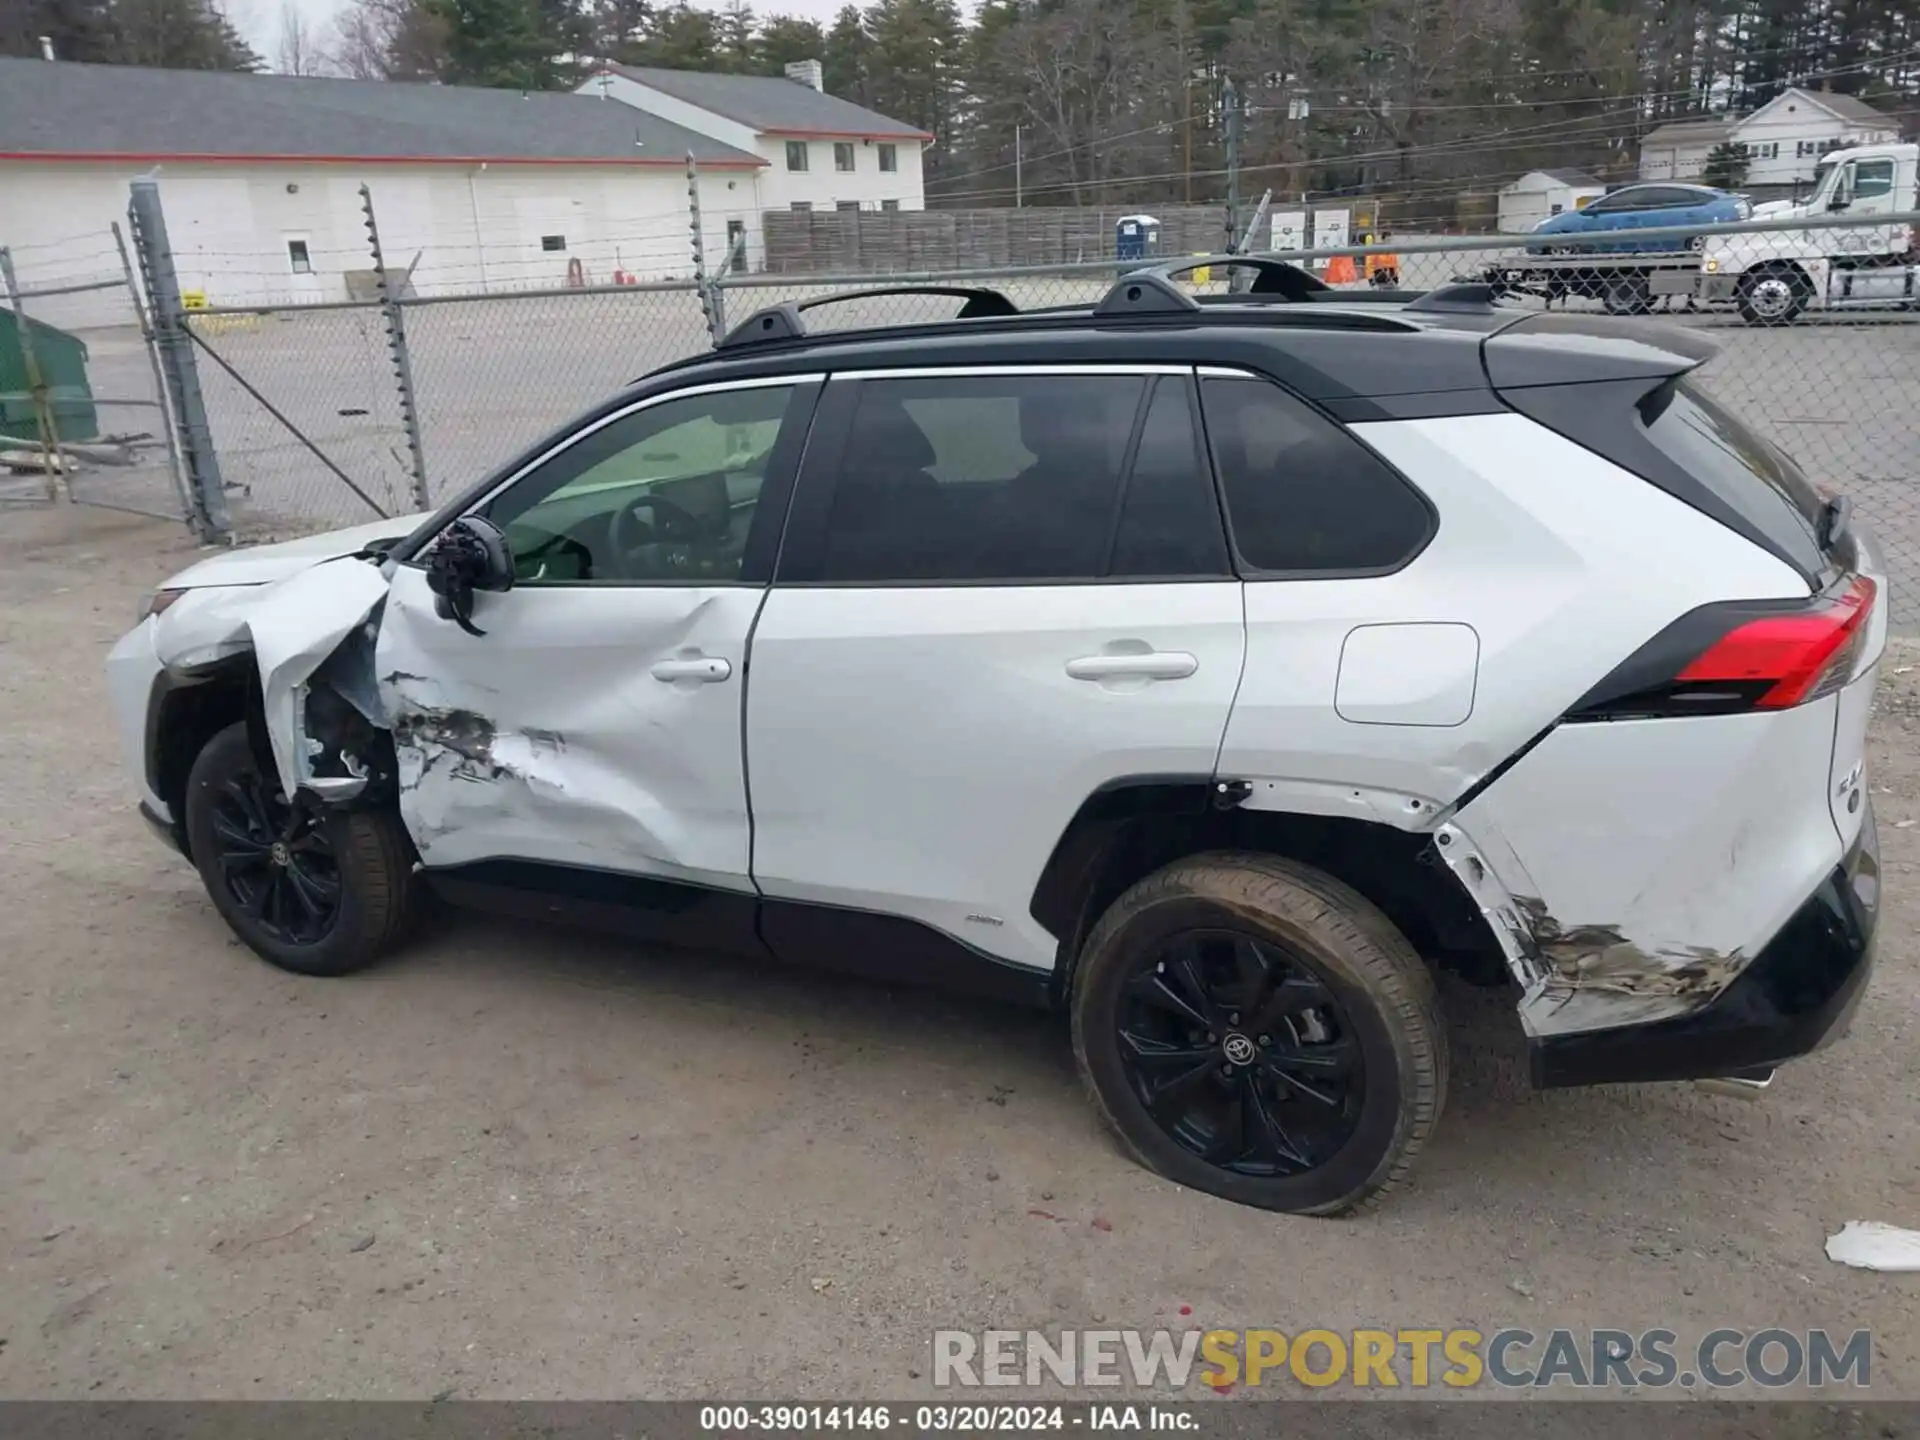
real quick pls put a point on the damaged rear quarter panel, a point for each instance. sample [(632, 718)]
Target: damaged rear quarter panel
[(1638, 866)]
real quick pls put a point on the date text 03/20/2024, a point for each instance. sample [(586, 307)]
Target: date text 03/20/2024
[(794, 1419)]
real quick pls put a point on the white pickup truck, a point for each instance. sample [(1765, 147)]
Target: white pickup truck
[(1774, 275)]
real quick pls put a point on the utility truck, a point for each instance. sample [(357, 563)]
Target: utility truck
[(1775, 275)]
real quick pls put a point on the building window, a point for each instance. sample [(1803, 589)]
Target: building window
[(1769, 151), (889, 159), (553, 244), (796, 155), (801, 207), (1805, 148), (298, 257), (889, 204), (843, 156)]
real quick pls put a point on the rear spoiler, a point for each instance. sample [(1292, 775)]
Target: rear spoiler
[(1545, 348)]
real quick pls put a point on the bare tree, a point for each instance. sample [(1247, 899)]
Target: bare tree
[(388, 40), (297, 53)]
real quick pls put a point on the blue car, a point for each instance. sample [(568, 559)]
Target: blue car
[(1637, 207)]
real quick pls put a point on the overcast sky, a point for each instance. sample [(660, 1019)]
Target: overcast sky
[(259, 20)]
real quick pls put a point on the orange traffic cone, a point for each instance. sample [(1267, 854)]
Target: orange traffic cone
[(1340, 270)]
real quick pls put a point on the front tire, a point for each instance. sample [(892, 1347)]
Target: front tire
[(1255, 1029), (1773, 296), (319, 893)]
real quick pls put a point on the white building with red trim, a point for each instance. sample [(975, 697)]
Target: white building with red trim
[(821, 152), (259, 176)]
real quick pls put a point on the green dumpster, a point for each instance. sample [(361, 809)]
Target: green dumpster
[(63, 367)]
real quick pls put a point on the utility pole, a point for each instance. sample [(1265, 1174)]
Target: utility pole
[(1186, 124), (1016, 167), (1232, 117)]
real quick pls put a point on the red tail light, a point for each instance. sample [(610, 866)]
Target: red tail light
[(1797, 656), (1741, 656)]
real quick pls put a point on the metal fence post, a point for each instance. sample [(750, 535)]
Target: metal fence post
[(169, 423), (206, 492), (712, 302), (402, 360), (50, 457)]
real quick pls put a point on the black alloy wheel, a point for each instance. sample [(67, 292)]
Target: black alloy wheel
[(1241, 1053), (1254, 1028), (276, 861), (311, 888)]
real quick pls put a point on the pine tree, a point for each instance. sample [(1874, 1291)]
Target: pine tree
[(784, 39), (1726, 166), (518, 44), (849, 48)]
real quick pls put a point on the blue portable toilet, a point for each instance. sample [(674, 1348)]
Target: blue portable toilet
[(1135, 238)]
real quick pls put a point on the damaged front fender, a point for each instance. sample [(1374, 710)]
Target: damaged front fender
[(291, 628)]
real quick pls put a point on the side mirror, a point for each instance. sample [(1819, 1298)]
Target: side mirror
[(470, 555), (1839, 202)]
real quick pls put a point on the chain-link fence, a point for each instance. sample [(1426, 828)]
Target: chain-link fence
[(83, 416), (331, 413)]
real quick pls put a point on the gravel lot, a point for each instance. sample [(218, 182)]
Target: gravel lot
[(514, 1163)]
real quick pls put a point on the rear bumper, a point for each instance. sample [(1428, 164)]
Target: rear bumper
[(1797, 995)]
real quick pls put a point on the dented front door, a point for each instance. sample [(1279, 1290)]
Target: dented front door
[(587, 726), (595, 720)]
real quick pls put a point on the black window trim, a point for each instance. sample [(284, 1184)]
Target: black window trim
[(1250, 572), (803, 540), (770, 509)]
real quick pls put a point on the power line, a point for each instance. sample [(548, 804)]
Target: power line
[(1589, 127), (1636, 104)]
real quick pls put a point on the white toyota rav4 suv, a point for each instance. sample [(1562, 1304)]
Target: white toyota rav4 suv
[(1210, 668)]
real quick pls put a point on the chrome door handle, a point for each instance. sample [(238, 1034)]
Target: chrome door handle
[(706, 669), (1153, 665)]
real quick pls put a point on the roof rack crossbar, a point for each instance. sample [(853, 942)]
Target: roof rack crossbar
[(1271, 277), (786, 321), (1146, 292)]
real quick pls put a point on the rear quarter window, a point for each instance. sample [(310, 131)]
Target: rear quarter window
[(1305, 498), (1749, 473)]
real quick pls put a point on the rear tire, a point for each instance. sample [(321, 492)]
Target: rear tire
[(1255, 1029), (1626, 294), (320, 894)]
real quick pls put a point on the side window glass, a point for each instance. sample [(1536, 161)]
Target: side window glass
[(1871, 178), (1169, 519), (664, 494), (1303, 496), (980, 478)]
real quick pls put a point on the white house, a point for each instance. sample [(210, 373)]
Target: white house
[(820, 152), (1784, 139), (1679, 151), (260, 174), (1540, 194)]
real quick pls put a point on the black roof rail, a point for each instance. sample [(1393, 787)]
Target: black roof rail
[(786, 322), (1271, 277), (1462, 297), (1146, 292)]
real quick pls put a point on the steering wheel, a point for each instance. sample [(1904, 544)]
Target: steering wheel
[(669, 524)]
